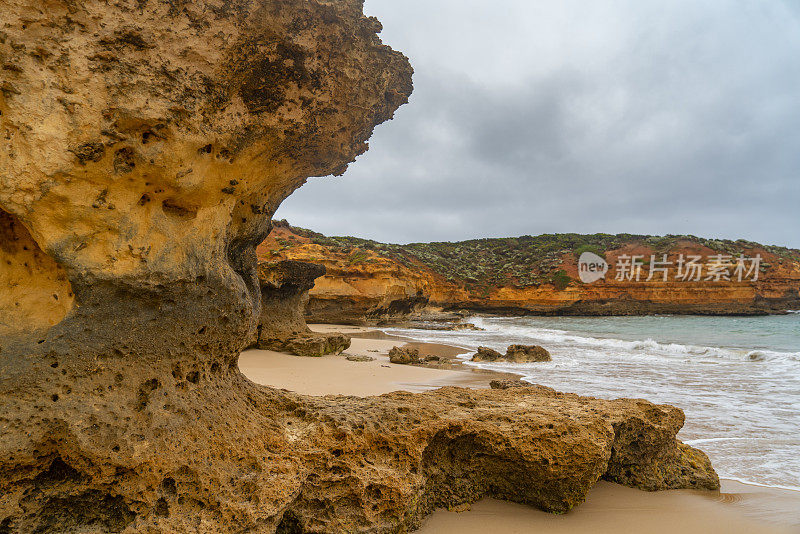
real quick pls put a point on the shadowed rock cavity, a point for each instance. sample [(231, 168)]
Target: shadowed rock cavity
[(148, 144)]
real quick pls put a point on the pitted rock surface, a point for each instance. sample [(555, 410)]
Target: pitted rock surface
[(148, 144)]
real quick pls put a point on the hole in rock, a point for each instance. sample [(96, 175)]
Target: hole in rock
[(289, 524), (162, 508), (36, 292), (90, 511), (169, 487), (174, 208), (58, 472)]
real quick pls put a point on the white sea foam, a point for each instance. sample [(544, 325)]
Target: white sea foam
[(742, 401), (752, 483), (547, 336)]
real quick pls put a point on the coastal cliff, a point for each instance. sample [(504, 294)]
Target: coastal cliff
[(370, 282), (149, 142)]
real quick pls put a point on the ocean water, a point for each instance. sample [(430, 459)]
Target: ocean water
[(736, 378)]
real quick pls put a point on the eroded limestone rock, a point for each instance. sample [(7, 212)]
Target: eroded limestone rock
[(527, 354), (222, 454), (514, 354), (282, 326), (35, 291), (404, 356), (485, 354), (148, 144), (306, 344)]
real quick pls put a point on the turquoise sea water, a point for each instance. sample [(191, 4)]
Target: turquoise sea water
[(737, 378)]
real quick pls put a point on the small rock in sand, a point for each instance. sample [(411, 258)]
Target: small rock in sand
[(358, 358)]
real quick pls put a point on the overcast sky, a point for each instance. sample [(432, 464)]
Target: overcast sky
[(538, 116)]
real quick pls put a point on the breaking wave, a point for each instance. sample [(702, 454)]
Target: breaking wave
[(648, 346)]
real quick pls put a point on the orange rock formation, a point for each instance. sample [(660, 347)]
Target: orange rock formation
[(367, 284)]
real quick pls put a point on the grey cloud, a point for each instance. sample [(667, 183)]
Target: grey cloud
[(567, 116)]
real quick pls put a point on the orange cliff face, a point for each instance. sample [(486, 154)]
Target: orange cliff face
[(358, 286), (366, 284)]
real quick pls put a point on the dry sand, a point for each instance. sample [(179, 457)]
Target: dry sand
[(609, 508), (335, 375)]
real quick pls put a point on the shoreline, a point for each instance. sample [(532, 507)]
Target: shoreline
[(739, 506)]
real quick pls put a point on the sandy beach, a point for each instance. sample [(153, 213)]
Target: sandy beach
[(737, 508), (335, 375)]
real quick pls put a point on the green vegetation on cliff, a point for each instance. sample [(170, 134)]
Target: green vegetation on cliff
[(517, 261)]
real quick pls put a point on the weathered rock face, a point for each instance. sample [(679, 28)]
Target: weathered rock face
[(485, 354), (404, 356), (147, 143), (223, 455), (284, 295), (527, 353), (282, 325), (514, 354), (35, 291)]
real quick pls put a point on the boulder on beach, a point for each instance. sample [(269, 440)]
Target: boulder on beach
[(403, 356), (307, 344), (514, 354), (527, 353), (485, 354)]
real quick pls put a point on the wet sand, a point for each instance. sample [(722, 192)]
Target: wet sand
[(610, 508)]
